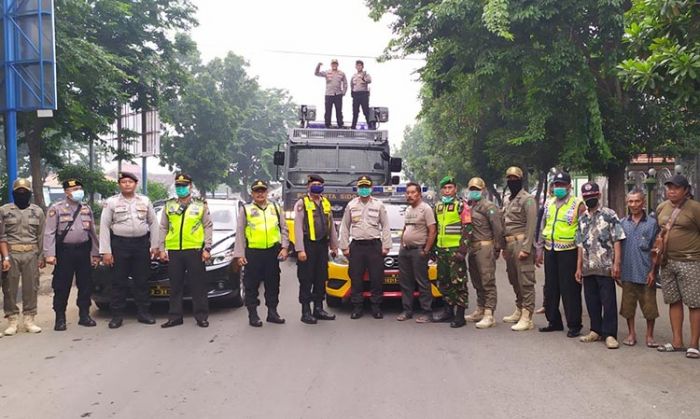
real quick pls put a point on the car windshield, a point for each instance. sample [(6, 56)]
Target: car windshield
[(339, 167), (223, 214)]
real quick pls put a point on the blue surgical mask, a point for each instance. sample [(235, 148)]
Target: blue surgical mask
[(316, 189), (364, 191), (475, 195), (78, 195), (560, 192), (447, 199), (182, 191)]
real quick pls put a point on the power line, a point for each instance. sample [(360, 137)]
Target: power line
[(278, 51)]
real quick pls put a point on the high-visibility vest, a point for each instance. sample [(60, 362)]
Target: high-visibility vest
[(561, 223), (185, 231), (262, 230), (449, 222), (310, 207)]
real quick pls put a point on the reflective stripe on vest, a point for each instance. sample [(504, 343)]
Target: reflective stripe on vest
[(310, 206), (449, 224), (185, 230), (262, 230), (559, 232)]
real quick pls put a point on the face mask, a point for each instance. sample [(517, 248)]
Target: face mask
[(78, 195), (592, 202), (182, 191), (560, 192), (21, 198), (447, 199), (317, 189), (364, 191), (514, 186), (475, 195)]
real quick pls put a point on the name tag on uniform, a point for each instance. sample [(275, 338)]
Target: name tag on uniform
[(65, 218), (121, 209)]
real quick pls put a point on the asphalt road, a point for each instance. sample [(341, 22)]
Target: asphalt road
[(363, 368)]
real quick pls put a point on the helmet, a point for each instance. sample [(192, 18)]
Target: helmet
[(514, 171), (476, 182)]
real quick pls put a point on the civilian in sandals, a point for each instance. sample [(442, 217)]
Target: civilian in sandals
[(679, 217), (69, 243), (598, 265), (638, 277)]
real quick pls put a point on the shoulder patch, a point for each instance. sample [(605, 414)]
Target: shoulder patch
[(52, 212)]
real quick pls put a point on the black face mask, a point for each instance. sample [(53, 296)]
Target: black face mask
[(21, 198), (514, 186), (592, 202)]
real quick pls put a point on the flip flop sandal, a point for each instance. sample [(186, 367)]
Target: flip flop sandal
[(668, 347), (629, 342), (652, 345), (692, 353)]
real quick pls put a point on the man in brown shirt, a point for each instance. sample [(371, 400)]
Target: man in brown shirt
[(680, 277), (416, 241), (336, 87)]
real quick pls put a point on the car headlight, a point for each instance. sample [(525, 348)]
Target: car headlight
[(339, 259), (221, 258)]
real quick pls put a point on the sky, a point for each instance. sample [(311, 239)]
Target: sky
[(311, 31)]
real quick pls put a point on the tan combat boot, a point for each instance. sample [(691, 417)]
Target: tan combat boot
[(513, 318), (487, 321), (12, 325), (29, 325), (525, 322), (477, 315)]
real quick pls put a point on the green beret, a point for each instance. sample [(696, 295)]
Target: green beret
[(447, 180)]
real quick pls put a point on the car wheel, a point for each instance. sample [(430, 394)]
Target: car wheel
[(334, 301), (102, 306)]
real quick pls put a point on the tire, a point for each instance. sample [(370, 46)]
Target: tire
[(102, 306), (334, 302)]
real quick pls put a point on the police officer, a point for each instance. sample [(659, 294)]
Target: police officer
[(128, 242), (186, 229), (454, 231), (315, 234), (69, 243), (21, 244), (484, 249), (359, 90), (262, 240), (336, 87), (520, 224), (366, 223)]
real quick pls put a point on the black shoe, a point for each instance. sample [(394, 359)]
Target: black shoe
[(253, 318), (551, 328), (377, 312), (203, 323), (172, 323), (444, 315), (458, 320), (145, 318), (322, 314), (274, 317), (116, 323), (87, 321), (356, 312), (572, 333), (60, 324)]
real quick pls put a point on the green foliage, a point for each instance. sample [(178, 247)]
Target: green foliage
[(157, 191)]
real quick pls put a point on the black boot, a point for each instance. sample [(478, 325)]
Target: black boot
[(273, 316), (322, 314), (306, 316), (458, 321), (445, 315), (356, 312), (253, 318), (85, 319), (60, 324)]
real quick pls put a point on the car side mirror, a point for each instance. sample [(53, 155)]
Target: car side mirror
[(278, 158), (395, 164)]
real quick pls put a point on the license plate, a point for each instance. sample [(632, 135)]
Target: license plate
[(391, 280), (158, 291)]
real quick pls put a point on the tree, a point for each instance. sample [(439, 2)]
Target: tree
[(530, 83), (157, 191)]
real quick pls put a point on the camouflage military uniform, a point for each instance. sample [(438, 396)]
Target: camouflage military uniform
[(452, 271)]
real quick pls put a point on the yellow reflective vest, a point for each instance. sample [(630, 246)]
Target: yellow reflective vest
[(559, 231), (185, 229), (449, 223), (262, 230), (310, 207)]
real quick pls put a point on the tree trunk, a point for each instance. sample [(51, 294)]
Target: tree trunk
[(33, 133), (616, 189)]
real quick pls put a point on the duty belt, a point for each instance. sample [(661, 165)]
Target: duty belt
[(23, 248), (511, 239)]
